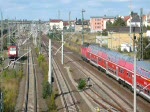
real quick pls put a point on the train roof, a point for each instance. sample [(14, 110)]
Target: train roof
[(117, 57)]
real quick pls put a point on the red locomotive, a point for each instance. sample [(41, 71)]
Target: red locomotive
[(13, 52), (120, 67)]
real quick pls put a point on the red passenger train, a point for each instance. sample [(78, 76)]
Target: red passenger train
[(13, 52), (120, 67)]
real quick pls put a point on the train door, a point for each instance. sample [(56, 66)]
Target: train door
[(116, 71), (133, 80), (89, 56), (106, 67)]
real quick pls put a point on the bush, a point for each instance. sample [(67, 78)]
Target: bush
[(82, 84), (10, 87), (41, 59), (51, 103), (46, 89)]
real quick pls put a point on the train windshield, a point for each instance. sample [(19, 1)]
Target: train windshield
[(12, 49)]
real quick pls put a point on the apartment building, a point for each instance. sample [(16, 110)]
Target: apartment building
[(98, 23)]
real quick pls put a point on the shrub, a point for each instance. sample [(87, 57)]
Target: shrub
[(10, 87), (51, 103), (82, 84), (46, 89), (41, 59)]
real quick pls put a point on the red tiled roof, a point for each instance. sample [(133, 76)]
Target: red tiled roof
[(55, 20), (126, 18)]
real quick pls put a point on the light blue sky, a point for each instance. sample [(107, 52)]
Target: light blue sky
[(48, 9)]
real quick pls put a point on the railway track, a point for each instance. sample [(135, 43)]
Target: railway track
[(12, 64), (121, 103), (126, 98), (101, 85), (68, 99), (30, 98)]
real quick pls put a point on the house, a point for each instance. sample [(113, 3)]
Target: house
[(66, 25), (135, 20), (127, 20), (98, 23), (56, 24), (148, 19)]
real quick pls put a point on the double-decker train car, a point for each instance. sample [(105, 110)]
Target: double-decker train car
[(13, 52), (120, 67)]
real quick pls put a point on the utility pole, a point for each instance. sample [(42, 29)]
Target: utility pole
[(1, 32), (50, 63), (130, 23), (141, 34), (82, 26), (69, 21), (9, 33), (62, 49), (1, 93), (134, 38), (40, 36)]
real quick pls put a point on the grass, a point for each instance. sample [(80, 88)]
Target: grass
[(10, 88)]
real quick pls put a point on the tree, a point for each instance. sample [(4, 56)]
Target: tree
[(148, 27), (109, 24), (119, 22), (104, 32), (146, 52)]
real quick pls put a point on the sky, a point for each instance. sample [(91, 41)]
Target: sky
[(59, 9)]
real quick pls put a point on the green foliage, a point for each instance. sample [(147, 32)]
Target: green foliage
[(81, 84), (9, 100), (36, 50), (46, 90), (56, 35), (119, 22), (99, 33), (148, 27), (104, 33), (9, 74), (146, 52), (10, 87), (41, 59), (109, 24), (51, 103)]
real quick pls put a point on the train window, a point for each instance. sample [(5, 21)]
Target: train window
[(121, 70), (12, 49), (99, 59), (128, 74)]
